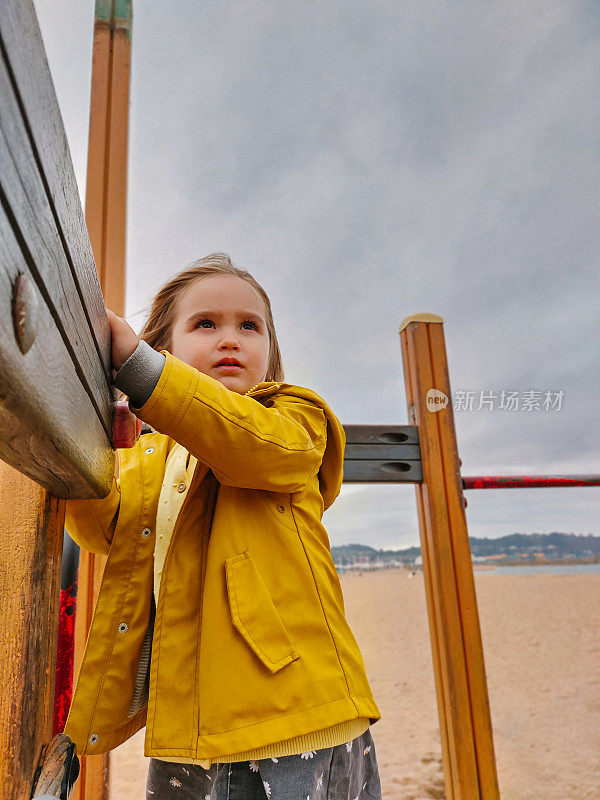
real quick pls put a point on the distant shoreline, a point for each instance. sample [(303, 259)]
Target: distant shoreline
[(513, 549), (477, 565), (531, 562)]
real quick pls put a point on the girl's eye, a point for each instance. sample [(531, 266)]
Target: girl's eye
[(201, 322)]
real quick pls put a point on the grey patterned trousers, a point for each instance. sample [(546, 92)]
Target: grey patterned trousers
[(345, 772)]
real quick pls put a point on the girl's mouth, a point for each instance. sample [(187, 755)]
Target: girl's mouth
[(232, 367)]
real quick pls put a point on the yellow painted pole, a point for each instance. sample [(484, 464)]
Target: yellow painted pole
[(106, 217), (31, 535), (461, 686)]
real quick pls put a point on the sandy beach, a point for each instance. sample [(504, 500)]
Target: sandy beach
[(542, 652)]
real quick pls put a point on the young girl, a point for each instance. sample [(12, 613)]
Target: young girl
[(220, 621)]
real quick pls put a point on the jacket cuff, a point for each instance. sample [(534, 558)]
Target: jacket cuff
[(140, 373)]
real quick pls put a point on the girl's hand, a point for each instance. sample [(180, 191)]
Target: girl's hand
[(124, 339)]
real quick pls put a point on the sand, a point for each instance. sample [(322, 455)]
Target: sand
[(541, 638)]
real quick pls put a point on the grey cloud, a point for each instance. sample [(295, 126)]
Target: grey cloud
[(365, 162)]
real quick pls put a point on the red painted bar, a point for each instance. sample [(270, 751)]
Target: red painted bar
[(528, 481)]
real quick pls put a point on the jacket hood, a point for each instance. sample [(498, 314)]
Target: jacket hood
[(331, 472)]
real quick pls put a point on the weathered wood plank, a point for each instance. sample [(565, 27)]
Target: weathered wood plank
[(25, 201), (56, 401), (385, 435), (382, 471), (49, 429), (21, 41), (382, 454)]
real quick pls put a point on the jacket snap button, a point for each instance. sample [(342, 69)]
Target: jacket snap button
[(181, 487), (146, 532), (93, 738), (149, 450), (280, 508), (122, 627)]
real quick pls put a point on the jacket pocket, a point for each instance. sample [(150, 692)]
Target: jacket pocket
[(254, 613)]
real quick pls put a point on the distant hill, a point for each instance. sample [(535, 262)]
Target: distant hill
[(566, 544), (550, 546)]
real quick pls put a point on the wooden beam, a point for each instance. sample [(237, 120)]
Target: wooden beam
[(461, 687), (55, 394), (31, 526), (382, 454), (106, 186)]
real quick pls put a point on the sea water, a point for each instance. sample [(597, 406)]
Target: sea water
[(540, 569)]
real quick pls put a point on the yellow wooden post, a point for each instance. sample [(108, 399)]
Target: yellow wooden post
[(31, 522), (105, 213), (106, 184), (463, 706)]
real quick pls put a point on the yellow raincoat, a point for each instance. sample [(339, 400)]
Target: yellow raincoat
[(249, 642)]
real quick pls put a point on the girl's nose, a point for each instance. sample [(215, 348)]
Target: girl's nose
[(229, 340)]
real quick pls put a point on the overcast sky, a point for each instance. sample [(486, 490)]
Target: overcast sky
[(367, 161)]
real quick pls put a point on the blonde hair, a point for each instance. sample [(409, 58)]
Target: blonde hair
[(158, 328)]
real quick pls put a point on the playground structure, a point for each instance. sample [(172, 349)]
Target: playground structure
[(56, 429)]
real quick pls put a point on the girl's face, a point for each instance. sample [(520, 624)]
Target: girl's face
[(221, 317)]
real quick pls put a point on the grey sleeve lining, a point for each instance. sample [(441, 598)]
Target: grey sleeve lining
[(139, 374)]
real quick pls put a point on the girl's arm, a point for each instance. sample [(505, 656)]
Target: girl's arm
[(246, 444)]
